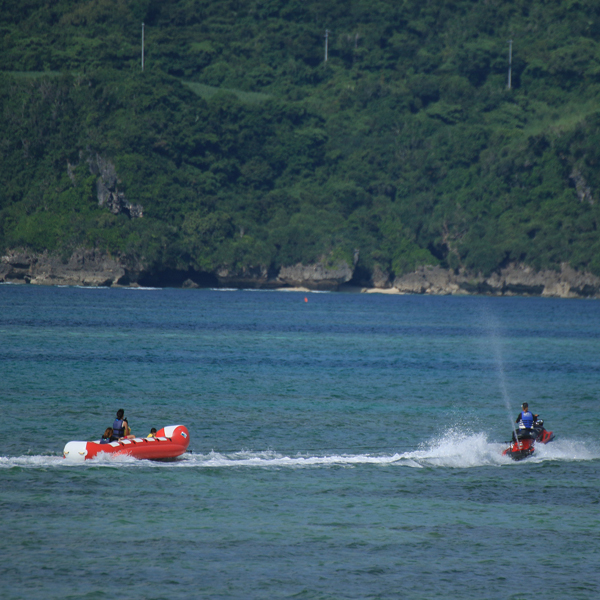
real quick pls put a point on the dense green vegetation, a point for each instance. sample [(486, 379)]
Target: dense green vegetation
[(246, 149)]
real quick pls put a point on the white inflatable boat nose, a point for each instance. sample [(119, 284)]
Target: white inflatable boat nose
[(75, 451)]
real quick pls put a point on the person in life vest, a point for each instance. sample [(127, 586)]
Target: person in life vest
[(152, 433), (121, 429), (526, 417), (107, 436)]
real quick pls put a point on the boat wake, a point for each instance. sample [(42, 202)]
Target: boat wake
[(454, 449)]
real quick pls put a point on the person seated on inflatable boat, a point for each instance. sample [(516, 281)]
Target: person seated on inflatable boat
[(128, 435), (107, 436), (526, 418), (152, 433), (121, 429)]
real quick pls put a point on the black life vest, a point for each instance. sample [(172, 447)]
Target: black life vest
[(118, 429)]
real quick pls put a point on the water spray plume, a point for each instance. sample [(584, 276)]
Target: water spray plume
[(492, 326)]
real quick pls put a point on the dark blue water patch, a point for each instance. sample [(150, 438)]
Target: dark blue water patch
[(399, 364), (337, 314), (267, 326), (539, 485)]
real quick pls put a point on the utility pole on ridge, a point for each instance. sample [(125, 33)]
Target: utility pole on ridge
[(142, 46), (509, 64), (326, 42)]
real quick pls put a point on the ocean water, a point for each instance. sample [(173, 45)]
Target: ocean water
[(343, 446)]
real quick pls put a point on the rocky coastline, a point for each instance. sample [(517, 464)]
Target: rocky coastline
[(87, 267), (513, 280)]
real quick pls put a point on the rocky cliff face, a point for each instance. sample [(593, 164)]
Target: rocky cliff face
[(319, 276), (107, 187), (249, 277), (84, 267), (514, 280), (96, 268)]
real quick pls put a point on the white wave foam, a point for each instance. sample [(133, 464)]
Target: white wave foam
[(44, 461), (454, 449), (459, 450), (41, 461), (463, 449), (267, 459), (566, 450), (273, 459), (83, 287)]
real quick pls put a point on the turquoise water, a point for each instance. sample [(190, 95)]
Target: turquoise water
[(346, 446)]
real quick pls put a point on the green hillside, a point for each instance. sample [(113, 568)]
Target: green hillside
[(239, 147)]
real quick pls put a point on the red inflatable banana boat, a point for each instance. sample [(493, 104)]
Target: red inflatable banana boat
[(170, 442)]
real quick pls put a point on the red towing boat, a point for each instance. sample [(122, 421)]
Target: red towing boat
[(170, 442), (523, 444)]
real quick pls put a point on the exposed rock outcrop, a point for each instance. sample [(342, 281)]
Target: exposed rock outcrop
[(319, 276), (427, 280), (513, 280), (108, 191), (251, 277), (84, 267), (189, 284), (584, 192), (376, 279)]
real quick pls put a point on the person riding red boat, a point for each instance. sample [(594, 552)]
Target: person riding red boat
[(121, 429), (526, 417), (530, 430)]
